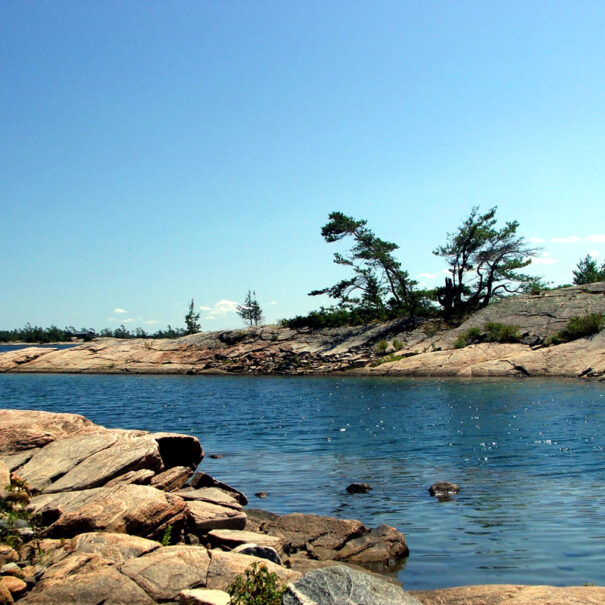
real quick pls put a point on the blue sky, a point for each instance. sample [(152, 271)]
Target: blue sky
[(152, 152)]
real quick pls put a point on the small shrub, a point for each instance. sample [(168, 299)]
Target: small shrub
[(468, 338), (258, 587), (497, 332), (397, 344), (579, 326), (382, 346), (167, 537), (492, 332), (14, 512), (388, 359)]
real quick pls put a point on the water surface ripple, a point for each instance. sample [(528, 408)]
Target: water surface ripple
[(529, 456)]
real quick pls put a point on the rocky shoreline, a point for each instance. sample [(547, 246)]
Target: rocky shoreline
[(396, 348), (127, 517)]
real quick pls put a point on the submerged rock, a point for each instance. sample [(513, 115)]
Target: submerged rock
[(443, 489), (359, 488)]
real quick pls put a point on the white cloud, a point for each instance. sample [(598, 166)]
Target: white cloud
[(572, 239), (536, 240), (544, 260), (597, 238), (152, 321), (127, 321), (118, 310), (202, 308), (594, 253), (427, 275), (273, 302), (221, 308)]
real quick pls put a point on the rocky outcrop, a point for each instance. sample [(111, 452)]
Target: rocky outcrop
[(584, 357), (101, 540), (424, 348), (316, 537)]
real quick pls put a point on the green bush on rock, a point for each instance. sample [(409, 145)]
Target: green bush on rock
[(579, 326), (258, 587), (492, 332)]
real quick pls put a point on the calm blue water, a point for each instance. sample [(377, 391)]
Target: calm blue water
[(529, 456)]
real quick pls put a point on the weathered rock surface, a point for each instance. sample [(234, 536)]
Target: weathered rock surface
[(340, 585), (134, 509), (214, 495), (114, 547), (165, 572), (105, 585), (507, 594), (25, 429), (204, 516), (329, 539), (224, 567), (230, 538)]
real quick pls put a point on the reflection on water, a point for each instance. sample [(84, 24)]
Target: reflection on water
[(528, 455)]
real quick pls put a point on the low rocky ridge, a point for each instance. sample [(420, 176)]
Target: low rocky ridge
[(422, 349), (107, 498)]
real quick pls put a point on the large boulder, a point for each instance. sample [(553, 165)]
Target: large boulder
[(225, 566), (134, 509), (114, 547), (25, 429), (340, 585), (204, 516), (92, 580), (214, 495), (168, 570), (130, 454), (61, 456)]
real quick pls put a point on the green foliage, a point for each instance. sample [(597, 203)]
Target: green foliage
[(192, 324), (469, 337), (491, 332), (579, 326), (250, 311), (334, 317), (535, 286), (388, 359), (167, 536), (14, 510), (483, 262), (257, 587), (587, 271), (379, 284), (382, 346), (397, 344), (497, 332)]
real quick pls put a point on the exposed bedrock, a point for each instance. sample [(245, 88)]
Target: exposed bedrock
[(420, 348)]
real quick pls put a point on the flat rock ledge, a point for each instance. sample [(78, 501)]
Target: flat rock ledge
[(128, 519)]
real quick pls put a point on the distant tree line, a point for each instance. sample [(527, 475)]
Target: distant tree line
[(36, 334)]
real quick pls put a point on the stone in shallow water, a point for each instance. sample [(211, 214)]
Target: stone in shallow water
[(359, 488), (443, 489)]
